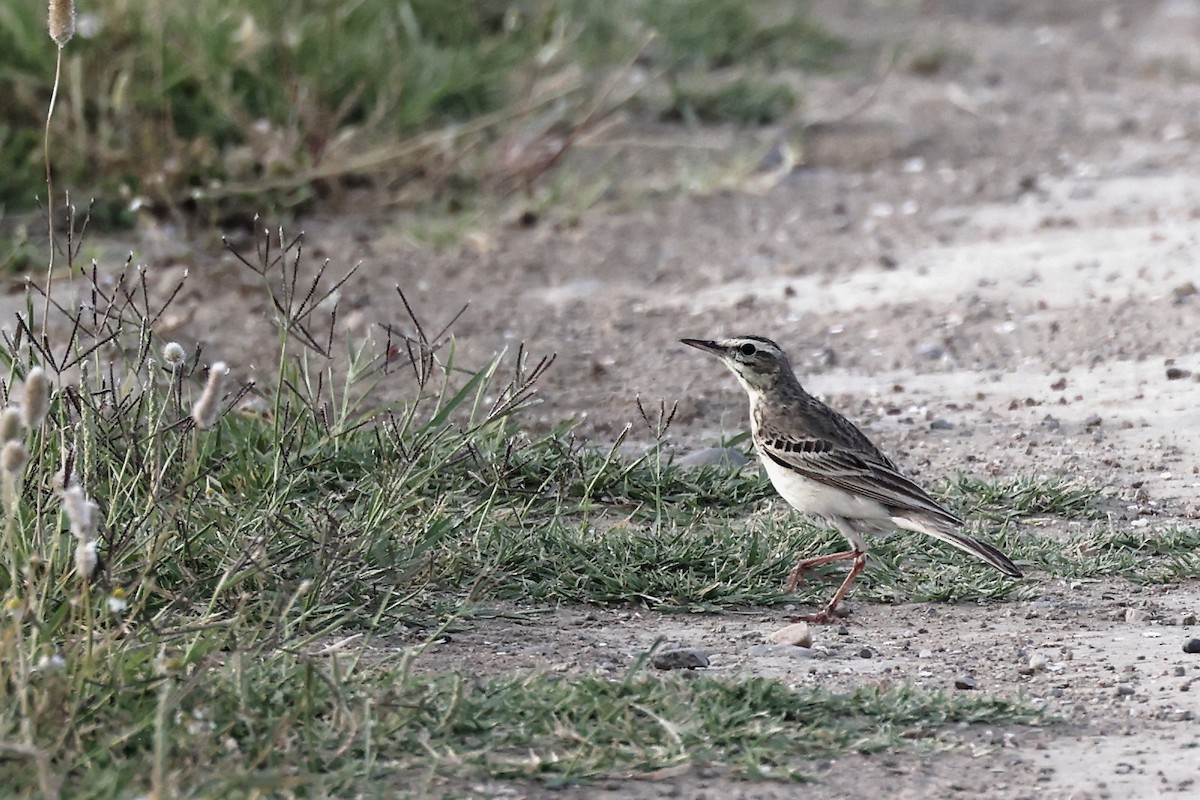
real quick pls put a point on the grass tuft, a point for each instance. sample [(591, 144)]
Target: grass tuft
[(1024, 496)]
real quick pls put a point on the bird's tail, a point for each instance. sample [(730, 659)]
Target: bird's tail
[(952, 536)]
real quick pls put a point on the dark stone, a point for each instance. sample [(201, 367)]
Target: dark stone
[(680, 659)]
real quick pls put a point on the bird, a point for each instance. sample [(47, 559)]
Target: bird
[(825, 467)]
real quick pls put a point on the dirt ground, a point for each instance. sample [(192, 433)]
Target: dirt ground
[(1006, 244)]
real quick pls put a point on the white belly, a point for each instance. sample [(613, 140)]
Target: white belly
[(820, 500)]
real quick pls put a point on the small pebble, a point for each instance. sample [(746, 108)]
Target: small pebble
[(797, 634), (843, 630), (1175, 373), (940, 424), (1036, 663), (925, 654), (1183, 291), (865, 653), (680, 659), (964, 682), (1191, 646), (1124, 690), (1136, 615), (1180, 671), (782, 651), (1187, 619)]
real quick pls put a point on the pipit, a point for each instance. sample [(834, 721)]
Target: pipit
[(825, 467)]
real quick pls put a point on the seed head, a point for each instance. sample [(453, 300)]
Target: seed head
[(10, 424), (50, 660), (62, 21), (13, 457), (60, 481), (204, 413), (173, 355), (36, 402), (82, 513), (86, 559), (118, 601)]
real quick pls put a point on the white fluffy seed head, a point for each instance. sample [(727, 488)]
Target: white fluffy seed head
[(204, 412), (59, 480), (36, 402), (61, 21), (13, 457), (86, 558), (173, 355), (10, 424), (82, 513)]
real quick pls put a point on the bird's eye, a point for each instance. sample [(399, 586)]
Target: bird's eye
[(747, 349)]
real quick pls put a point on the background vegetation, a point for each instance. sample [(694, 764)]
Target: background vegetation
[(215, 101)]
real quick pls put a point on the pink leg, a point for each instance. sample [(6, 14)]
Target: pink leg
[(808, 563), (827, 614)]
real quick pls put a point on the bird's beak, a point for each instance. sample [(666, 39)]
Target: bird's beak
[(703, 344)]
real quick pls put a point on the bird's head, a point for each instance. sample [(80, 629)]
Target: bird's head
[(758, 363)]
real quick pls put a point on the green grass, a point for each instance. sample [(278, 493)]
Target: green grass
[(202, 656), (1024, 496), (235, 723), (226, 106)]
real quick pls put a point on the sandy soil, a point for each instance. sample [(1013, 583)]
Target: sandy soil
[(1006, 244)]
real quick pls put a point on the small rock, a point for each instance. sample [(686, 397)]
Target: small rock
[(1191, 646), (925, 654), (1093, 421), (1059, 384), (1187, 619), (940, 424), (1182, 292), (930, 351), (825, 357), (797, 635), (680, 659), (1180, 671), (865, 653), (1036, 663), (782, 651), (1175, 373), (1136, 615), (964, 682), (723, 457), (1124, 690), (843, 630)]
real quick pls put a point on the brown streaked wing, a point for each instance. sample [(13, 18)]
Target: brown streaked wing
[(853, 471)]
